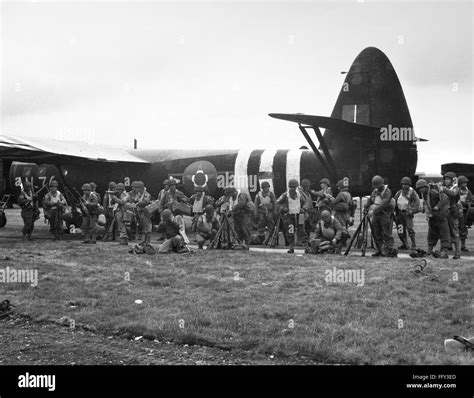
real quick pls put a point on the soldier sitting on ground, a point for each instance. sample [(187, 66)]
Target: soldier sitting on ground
[(207, 226), (329, 235), (174, 242)]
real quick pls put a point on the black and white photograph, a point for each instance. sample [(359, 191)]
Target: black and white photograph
[(236, 190)]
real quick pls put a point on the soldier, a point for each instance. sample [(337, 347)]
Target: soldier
[(122, 217), (465, 200), (451, 189), (382, 204), (207, 226), (199, 200), (91, 201), (311, 215), (324, 196), (160, 196), (328, 234), (136, 231), (55, 203), (407, 205), (172, 196), (240, 212), (436, 208), (144, 220), (226, 202), (292, 203), (174, 241), (110, 225), (94, 189), (29, 209), (265, 210), (342, 204)]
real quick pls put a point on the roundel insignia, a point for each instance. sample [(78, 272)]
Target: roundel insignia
[(200, 174)]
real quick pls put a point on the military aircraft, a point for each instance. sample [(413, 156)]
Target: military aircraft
[(369, 132)]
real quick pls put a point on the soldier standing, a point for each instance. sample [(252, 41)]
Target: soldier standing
[(160, 196), (91, 202), (55, 203), (293, 206), (110, 225), (451, 189), (172, 196), (94, 190), (311, 215), (465, 200), (240, 212), (324, 196), (122, 217), (29, 209), (383, 205), (407, 205), (207, 226), (342, 204), (144, 220), (265, 209), (436, 208)]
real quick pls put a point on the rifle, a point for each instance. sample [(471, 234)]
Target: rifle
[(82, 203)]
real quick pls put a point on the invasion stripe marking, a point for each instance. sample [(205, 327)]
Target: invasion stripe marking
[(293, 159), (279, 172), (266, 167), (252, 170), (240, 170)]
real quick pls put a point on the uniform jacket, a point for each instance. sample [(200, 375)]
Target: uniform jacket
[(169, 198), (324, 197), (53, 201), (259, 207), (436, 204), (206, 225), (283, 201), (343, 197), (413, 200), (386, 203), (334, 224), (169, 227), (465, 197), (206, 200), (26, 201), (91, 202)]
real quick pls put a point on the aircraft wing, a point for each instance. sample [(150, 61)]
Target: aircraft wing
[(40, 150), (329, 123)]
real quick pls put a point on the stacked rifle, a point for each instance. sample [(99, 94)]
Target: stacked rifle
[(226, 237), (360, 236)]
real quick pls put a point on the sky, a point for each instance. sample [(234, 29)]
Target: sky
[(206, 74)]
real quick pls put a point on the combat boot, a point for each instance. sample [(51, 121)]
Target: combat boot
[(392, 253), (93, 238), (377, 254), (443, 255)]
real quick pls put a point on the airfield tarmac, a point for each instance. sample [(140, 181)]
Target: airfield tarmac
[(237, 306)]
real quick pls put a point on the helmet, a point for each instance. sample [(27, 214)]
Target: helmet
[(324, 181), (306, 183), (134, 184), (199, 188), (450, 174), (229, 189), (325, 215), (53, 183), (421, 183), (166, 182), (120, 186), (462, 179), (93, 185), (209, 209), (171, 181), (112, 185), (406, 180), (86, 187), (140, 184), (265, 184), (377, 181), (340, 184), (166, 215), (293, 183)]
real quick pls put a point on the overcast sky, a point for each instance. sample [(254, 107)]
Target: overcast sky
[(206, 74)]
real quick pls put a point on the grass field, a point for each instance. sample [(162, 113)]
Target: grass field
[(263, 303)]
